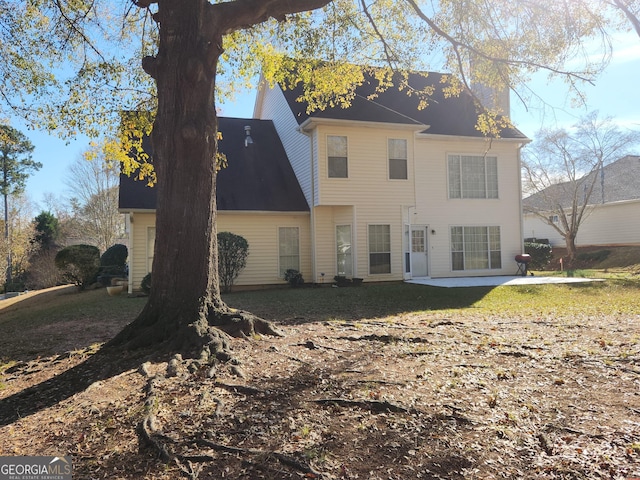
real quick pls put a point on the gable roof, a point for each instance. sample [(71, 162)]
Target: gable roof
[(618, 181), (258, 177), (445, 116)]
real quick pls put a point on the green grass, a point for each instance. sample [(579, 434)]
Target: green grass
[(616, 295), (49, 326), (70, 305)]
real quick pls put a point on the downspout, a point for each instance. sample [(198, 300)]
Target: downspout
[(409, 267), (521, 216), (312, 218), (128, 226)]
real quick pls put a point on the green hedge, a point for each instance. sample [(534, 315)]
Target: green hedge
[(79, 264), (541, 255)]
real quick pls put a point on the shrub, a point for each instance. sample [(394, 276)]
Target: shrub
[(115, 256), (79, 264), (145, 284), (43, 272), (540, 255), (233, 251), (113, 264), (294, 277), (537, 240)]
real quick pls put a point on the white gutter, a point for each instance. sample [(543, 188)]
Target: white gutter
[(312, 122), (128, 225), (312, 220), (440, 136)]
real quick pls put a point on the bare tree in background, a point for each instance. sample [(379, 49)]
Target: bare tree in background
[(93, 182), (19, 245), (562, 168)]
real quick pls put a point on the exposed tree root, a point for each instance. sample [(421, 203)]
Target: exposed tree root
[(386, 339), (206, 339), (371, 405), (283, 458), (148, 430), (151, 436), (244, 389), (242, 324)]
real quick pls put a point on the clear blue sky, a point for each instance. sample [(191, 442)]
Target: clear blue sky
[(615, 94)]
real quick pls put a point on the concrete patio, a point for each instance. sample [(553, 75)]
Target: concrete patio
[(497, 281)]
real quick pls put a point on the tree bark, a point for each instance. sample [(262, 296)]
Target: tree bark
[(570, 241), (185, 311), (184, 278)]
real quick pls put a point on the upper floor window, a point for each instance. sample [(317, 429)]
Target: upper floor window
[(337, 156), (397, 159), (473, 176)]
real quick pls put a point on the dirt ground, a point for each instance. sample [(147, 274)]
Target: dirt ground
[(412, 396)]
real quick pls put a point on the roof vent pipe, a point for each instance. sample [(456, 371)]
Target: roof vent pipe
[(247, 139)]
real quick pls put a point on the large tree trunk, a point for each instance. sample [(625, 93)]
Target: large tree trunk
[(185, 312), (185, 297), (570, 241)]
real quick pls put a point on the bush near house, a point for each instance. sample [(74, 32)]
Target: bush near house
[(540, 252), (294, 277), (145, 284), (113, 264), (79, 264), (233, 251)]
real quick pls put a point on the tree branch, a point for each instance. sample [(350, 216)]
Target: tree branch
[(457, 45), (240, 14), (629, 14)]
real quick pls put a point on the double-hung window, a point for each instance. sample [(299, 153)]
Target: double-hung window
[(379, 249), (337, 156), (397, 151), (288, 249), (473, 176), (475, 248)]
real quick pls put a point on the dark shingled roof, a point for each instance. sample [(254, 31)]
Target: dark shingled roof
[(446, 116), (621, 182), (257, 178)]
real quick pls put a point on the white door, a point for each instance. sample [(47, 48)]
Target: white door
[(419, 250)]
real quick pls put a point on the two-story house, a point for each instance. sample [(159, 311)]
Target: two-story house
[(383, 190)]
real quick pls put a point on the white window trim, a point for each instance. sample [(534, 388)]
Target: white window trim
[(279, 273), (389, 161), (369, 250), (467, 154), (326, 144), (488, 249)]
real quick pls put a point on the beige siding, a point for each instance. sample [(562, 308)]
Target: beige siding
[(368, 182), (139, 254), (435, 209), (297, 145), (422, 199), (326, 219), (610, 224), (380, 215), (259, 229)]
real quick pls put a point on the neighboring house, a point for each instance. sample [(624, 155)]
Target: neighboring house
[(613, 215), (382, 190)]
